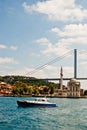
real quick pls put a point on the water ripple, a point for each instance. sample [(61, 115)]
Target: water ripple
[(71, 114)]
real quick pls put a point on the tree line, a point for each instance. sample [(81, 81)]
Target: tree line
[(29, 85), (25, 89)]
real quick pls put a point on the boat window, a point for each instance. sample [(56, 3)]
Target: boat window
[(42, 99)]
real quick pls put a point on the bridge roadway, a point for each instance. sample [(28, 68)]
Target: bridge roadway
[(56, 79), (47, 79)]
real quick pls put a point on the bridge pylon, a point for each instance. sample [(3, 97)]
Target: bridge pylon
[(75, 63)]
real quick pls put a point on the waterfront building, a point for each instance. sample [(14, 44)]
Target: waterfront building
[(73, 88), (5, 88)]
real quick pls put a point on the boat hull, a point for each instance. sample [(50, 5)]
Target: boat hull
[(31, 104)]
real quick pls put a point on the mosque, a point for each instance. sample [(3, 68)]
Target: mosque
[(71, 90)]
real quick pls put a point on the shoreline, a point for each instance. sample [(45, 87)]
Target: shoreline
[(43, 96)]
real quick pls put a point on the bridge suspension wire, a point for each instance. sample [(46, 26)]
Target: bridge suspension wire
[(83, 52), (82, 59), (50, 62)]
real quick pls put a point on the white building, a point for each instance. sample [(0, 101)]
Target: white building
[(73, 88)]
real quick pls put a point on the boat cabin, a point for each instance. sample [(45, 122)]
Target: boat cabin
[(41, 99)]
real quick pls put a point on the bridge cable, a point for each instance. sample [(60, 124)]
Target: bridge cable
[(50, 62)]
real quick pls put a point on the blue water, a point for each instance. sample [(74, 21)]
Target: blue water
[(71, 114)]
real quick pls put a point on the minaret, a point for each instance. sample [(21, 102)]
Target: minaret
[(61, 78)]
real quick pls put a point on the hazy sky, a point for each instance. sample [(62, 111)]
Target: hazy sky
[(34, 32)]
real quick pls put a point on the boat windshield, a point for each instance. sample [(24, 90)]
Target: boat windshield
[(41, 99)]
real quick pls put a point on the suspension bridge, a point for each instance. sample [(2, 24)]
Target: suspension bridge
[(75, 67)]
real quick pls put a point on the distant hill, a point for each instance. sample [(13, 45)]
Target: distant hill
[(28, 80)]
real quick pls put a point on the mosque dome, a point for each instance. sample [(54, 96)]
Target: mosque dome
[(73, 80)]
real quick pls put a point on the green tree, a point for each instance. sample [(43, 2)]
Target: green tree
[(25, 90), (30, 90), (36, 90), (46, 90), (15, 91), (52, 90), (20, 84), (85, 92), (20, 88), (52, 87), (20, 91)]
